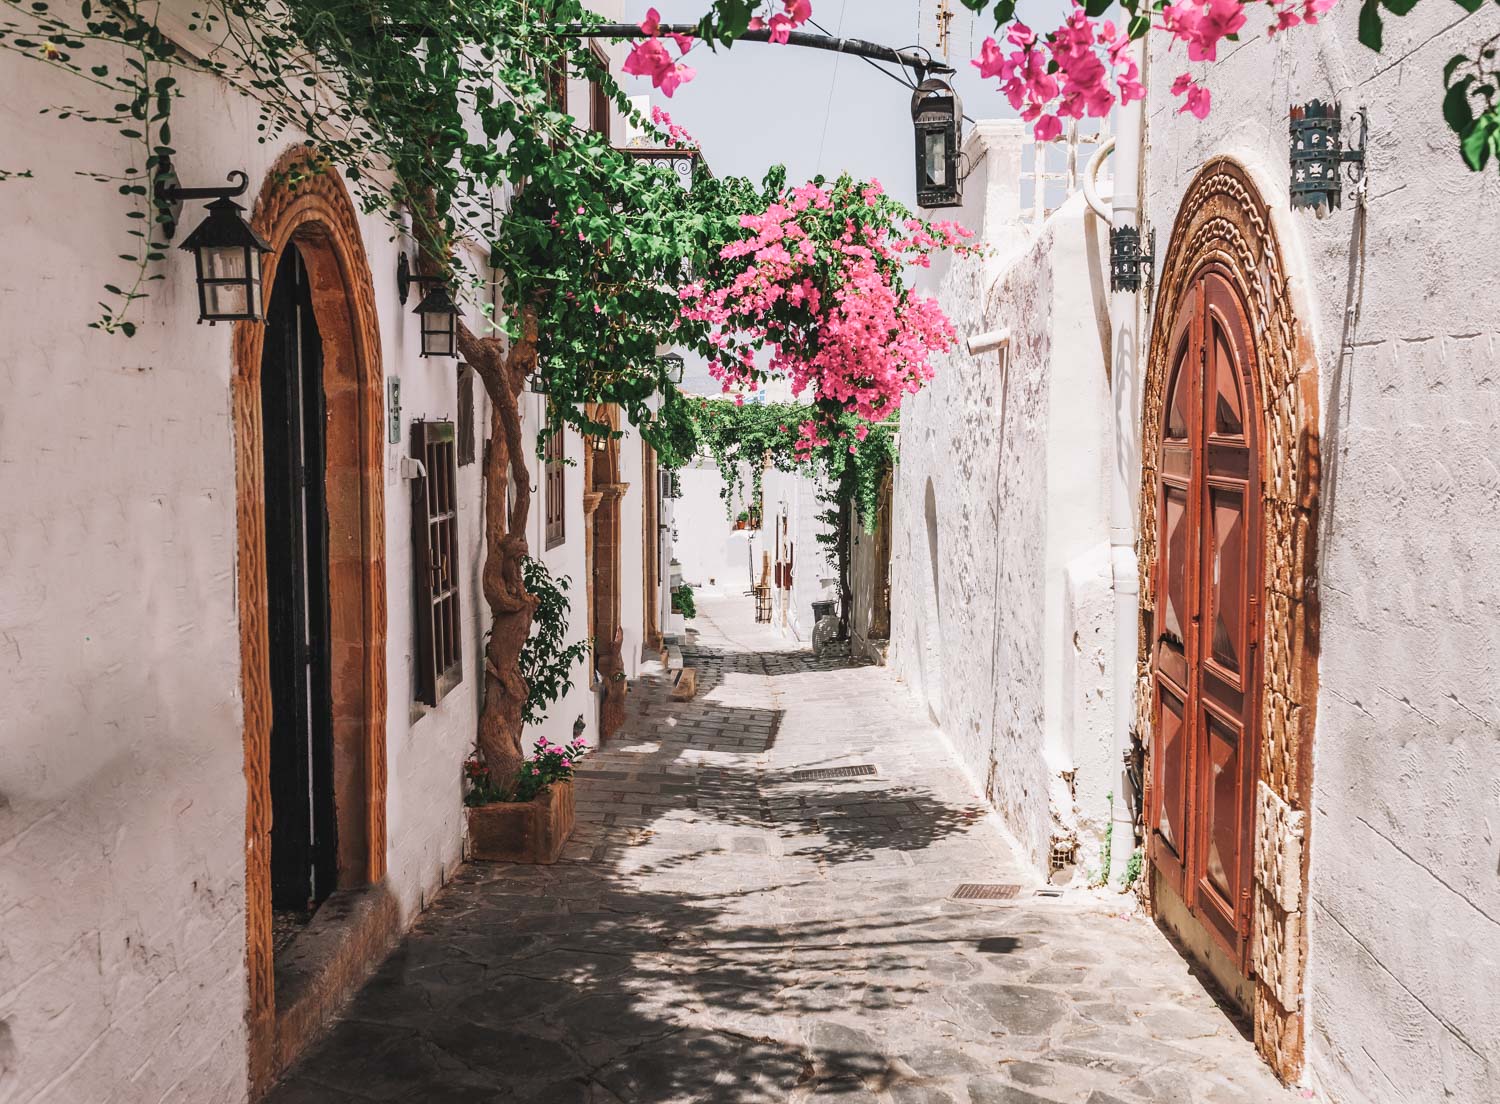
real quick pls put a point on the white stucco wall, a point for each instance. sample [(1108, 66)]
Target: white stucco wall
[(1000, 509), (794, 496), (1400, 303), (122, 792), (715, 557)]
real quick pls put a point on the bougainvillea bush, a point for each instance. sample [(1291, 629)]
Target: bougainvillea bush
[(811, 288), (547, 764)]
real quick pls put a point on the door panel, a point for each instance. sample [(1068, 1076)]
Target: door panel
[(1204, 662)]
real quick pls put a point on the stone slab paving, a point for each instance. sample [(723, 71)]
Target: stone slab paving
[(718, 931)]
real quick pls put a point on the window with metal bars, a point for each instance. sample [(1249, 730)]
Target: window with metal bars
[(434, 520), (465, 414), (555, 491)]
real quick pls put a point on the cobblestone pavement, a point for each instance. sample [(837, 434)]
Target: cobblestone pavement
[(721, 931)]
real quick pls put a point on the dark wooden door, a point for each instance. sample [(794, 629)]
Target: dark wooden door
[(1205, 658), (304, 864)]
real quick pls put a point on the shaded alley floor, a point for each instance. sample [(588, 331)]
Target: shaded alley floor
[(722, 931)]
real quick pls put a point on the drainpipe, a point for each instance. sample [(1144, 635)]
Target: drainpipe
[(1126, 330)]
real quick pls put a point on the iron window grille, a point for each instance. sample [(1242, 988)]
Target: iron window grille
[(555, 481), (439, 636), (465, 414)]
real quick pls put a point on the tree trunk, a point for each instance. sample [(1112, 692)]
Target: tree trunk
[(511, 605)]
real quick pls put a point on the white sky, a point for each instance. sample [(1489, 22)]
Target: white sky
[(758, 104)]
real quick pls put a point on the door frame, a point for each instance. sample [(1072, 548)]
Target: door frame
[(303, 201), (1223, 220)]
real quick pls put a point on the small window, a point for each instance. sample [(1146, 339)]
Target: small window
[(434, 525), (555, 489), (465, 414)]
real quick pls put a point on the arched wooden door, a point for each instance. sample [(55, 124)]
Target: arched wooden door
[(1205, 656)]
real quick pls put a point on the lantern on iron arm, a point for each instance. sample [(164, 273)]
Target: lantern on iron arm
[(437, 310), (227, 250), (937, 116), (1317, 154)]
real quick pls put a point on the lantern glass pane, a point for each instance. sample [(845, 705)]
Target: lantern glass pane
[(437, 334), (225, 262), (935, 158), (225, 300)]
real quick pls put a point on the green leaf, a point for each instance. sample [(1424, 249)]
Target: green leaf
[(1470, 5), (1453, 63), (1399, 7), (1371, 31), (1478, 142), (1456, 109)]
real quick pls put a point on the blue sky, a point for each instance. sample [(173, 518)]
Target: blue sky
[(757, 104)]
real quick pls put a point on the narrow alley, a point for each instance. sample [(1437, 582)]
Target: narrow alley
[(724, 927)]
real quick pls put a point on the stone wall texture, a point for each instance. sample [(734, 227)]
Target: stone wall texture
[(1395, 304), (1000, 496)]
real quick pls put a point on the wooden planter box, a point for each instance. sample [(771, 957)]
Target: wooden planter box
[(524, 831)]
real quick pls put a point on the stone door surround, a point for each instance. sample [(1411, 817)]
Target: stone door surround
[(1224, 220)]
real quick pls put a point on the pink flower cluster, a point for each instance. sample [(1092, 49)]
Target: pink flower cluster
[(816, 279), (783, 23), (1067, 74), (1084, 68), (676, 137), (651, 58)]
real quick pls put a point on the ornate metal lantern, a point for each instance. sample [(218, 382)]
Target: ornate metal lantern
[(937, 116), (1128, 261), (674, 366), (227, 250), (437, 311), (1317, 153)]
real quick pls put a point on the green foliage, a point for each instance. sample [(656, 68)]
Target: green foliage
[(547, 764), (1471, 107), (755, 434), (682, 602), (546, 662), (1133, 868)]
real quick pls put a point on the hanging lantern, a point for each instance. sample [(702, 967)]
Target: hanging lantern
[(937, 116), (674, 366), (437, 311), (1317, 153), (226, 249), (439, 317)]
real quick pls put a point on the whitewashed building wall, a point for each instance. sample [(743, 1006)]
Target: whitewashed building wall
[(1404, 911), (1000, 585), (122, 786)]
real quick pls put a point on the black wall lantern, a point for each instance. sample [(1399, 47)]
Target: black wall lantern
[(674, 366), (1128, 262), (937, 116), (437, 311), (1317, 153), (226, 248)]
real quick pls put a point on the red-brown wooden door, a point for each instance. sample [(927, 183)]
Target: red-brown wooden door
[(1205, 659)]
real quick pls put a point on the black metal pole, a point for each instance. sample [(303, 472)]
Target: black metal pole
[(917, 61)]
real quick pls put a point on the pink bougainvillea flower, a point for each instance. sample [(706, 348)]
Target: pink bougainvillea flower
[(1311, 9), (651, 25), (990, 62), (781, 29), (1198, 97)]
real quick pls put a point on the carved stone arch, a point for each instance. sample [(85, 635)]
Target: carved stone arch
[(1223, 221), (307, 204)]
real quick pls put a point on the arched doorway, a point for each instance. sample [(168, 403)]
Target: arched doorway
[(1229, 499), (321, 315)]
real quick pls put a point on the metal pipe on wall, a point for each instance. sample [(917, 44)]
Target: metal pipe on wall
[(1126, 327)]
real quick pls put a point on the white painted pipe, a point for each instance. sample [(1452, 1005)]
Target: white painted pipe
[(1097, 203), (1126, 330), (988, 342)]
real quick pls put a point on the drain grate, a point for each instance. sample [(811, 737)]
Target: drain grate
[(822, 774), (986, 891), (1049, 893)]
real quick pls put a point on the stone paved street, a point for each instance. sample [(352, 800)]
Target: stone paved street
[(720, 931)]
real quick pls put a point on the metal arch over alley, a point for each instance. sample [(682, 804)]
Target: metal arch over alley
[(724, 927)]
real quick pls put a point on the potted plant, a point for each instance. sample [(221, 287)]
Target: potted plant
[(742, 520), (530, 817)]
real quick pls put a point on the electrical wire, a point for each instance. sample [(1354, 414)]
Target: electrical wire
[(899, 77)]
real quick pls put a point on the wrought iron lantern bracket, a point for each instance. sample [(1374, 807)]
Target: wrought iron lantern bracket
[(1129, 263), (1317, 154)]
